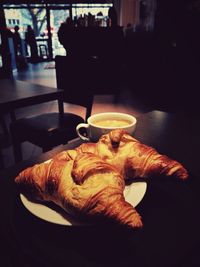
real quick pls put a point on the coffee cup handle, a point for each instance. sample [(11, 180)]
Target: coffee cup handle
[(78, 127)]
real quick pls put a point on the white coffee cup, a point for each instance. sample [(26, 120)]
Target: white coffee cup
[(102, 123)]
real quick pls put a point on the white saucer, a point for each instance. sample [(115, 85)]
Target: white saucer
[(133, 193)]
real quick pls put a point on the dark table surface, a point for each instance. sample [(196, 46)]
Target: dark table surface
[(169, 209), (17, 94)]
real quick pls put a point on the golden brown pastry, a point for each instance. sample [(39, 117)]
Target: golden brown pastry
[(132, 158), (82, 184)]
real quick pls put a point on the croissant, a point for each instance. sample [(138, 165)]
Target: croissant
[(132, 158), (82, 184)]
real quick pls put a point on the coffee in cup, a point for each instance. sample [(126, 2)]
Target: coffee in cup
[(102, 123)]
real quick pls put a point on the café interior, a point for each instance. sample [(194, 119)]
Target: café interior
[(63, 61), (146, 62)]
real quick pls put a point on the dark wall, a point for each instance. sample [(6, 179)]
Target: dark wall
[(177, 33), (164, 64)]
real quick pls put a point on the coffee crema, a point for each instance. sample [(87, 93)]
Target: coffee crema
[(112, 123)]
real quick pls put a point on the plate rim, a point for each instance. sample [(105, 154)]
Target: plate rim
[(63, 218)]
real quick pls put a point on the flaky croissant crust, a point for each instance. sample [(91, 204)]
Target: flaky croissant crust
[(71, 181), (132, 158), (90, 179)]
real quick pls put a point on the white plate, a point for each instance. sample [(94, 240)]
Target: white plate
[(133, 193)]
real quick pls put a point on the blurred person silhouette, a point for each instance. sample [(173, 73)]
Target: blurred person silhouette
[(6, 34), (112, 14), (31, 41), (66, 28), (128, 30), (18, 46), (17, 42)]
